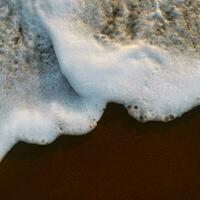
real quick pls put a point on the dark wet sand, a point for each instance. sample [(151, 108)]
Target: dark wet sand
[(120, 160)]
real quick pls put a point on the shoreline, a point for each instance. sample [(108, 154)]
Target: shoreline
[(120, 159)]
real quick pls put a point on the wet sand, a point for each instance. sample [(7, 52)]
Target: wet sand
[(120, 160)]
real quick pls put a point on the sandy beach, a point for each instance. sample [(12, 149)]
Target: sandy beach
[(121, 159)]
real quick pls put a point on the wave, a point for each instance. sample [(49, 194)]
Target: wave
[(63, 61)]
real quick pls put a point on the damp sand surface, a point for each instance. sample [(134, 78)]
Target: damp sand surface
[(121, 159)]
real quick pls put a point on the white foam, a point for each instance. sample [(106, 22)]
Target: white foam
[(43, 123), (151, 82), (36, 102)]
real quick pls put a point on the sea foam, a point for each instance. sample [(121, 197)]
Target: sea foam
[(75, 56), (150, 81)]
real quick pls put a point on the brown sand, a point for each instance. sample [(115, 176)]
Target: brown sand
[(120, 160)]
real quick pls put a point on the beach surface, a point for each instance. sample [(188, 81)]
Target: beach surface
[(121, 159)]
